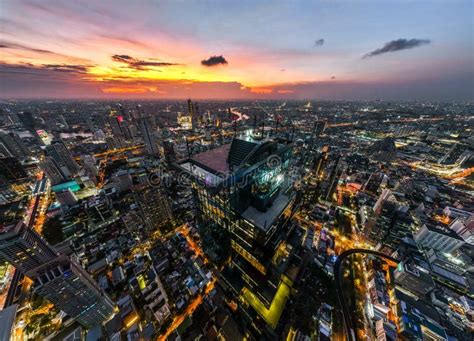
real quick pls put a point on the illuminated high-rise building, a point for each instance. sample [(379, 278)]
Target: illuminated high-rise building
[(30, 123), (149, 138), (115, 123), (56, 277), (66, 197), (170, 154), (185, 122), (190, 107), (62, 157), (192, 114), (53, 171), (154, 207), (70, 288), (24, 248), (243, 187), (12, 145)]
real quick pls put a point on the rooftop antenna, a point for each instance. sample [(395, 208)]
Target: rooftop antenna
[(235, 128), (292, 131)]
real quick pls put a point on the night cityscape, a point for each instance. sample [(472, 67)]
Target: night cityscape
[(171, 193)]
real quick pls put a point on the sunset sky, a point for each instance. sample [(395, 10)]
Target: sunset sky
[(237, 49)]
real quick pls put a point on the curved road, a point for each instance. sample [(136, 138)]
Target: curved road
[(348, 325)]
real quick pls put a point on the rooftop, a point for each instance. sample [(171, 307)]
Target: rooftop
[(263, 220), (442, 230), (224, 158), (215, 159)]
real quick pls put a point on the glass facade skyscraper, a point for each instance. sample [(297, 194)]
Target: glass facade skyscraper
[(56, 277), (244, 187), (70, 288)]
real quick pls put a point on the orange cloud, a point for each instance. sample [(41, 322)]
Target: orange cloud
[(116, 90), (261, 90)]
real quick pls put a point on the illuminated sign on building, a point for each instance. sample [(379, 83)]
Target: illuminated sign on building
[(44, 136)]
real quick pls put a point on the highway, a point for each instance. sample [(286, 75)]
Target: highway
[(338, 277)]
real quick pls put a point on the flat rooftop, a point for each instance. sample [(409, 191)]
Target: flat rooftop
[(263, 220), (215, 159)]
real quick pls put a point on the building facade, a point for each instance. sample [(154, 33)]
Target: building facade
[(243, 187), (62, 157), (57, 278), (70, 288)]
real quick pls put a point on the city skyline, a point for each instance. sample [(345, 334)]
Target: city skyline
[(269, 50), (232, 220)]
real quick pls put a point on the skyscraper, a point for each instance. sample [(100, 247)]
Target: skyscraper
[(90, 166), (154, 206), (24, 248), (168, 148), (62, 157), (115, 125), (319, 127), (56, 277), (243, 188), (53, 171), (149, 138), (192, 114), (190, 108), (27, 120), (70, 288), (12, 145), (11, 169)]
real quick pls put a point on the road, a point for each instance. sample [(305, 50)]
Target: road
[(196, 302), (34, 219), (338, 277), (240, 115)]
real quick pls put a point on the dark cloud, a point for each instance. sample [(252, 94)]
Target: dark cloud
[(319, 42), (137, 63), (67, 67), (123, 58), (333, 77), (148, 63), (28, 68), (6, 45), (398, 45), (214, 60), (15, 46)]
